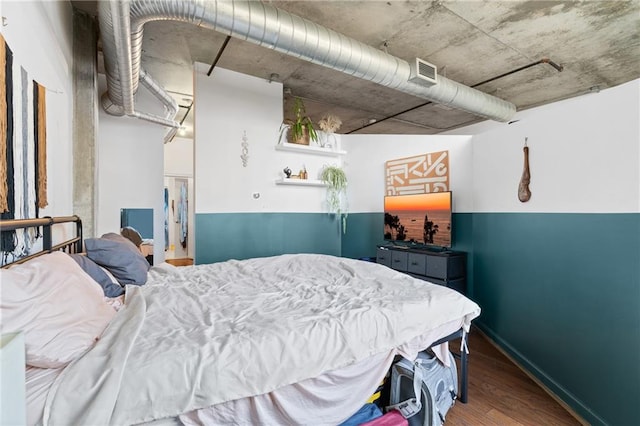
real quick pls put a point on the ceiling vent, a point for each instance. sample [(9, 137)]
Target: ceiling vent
[(424, 73)]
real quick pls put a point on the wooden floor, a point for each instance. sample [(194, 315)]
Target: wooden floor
[(180, 262), (501, 394)]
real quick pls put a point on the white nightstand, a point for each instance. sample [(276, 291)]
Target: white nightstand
[(12, 380)]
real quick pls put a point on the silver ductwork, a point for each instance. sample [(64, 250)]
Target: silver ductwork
[(284, 32), (121, 83), (170, 104)]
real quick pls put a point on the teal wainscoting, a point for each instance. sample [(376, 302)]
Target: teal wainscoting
[(561, 294), (364, 233), (462, 240), (223, 236)]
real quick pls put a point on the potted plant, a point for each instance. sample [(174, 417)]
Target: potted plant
[(336, 181), (301, 127)]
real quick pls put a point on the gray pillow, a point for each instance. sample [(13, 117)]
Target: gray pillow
[(94, 270), (120, 256)]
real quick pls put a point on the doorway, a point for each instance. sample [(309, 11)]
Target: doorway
[(179, 244), (179, 214), (179, 220)]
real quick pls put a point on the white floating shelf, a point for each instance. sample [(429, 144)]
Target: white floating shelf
[(308, 149), (300, 182)]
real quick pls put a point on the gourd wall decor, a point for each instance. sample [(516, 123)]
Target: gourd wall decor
[(524, 194)]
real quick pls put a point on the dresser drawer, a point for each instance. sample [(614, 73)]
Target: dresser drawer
[(399, 260), (417, 263), (437, 267), (383, 257), (460, 284), (446, 267)]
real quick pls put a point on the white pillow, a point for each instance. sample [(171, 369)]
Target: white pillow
[(58, 306)]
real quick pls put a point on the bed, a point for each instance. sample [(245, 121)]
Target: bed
[(290, 339)]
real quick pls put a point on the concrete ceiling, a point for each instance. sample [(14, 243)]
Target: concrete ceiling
[(509, 49)]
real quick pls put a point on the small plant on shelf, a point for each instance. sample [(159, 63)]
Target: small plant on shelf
[(300, 129), (329, 124), (336, 181)]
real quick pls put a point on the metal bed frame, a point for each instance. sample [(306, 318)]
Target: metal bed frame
[(73, 245), (464, 361)]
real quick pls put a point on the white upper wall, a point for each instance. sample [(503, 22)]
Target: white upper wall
[(130, 167), (178, 157), (40, 34), (367, 155), (227, 105), (585, 151), (584, 156)]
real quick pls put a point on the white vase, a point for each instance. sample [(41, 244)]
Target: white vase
[(327, 140)]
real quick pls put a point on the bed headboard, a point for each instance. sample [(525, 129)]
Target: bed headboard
[(45, 225)]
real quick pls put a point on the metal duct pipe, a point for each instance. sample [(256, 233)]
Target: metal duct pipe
[(276, 29), (158, 91), (112, 99), (119, 99), (121, 31), (170, 104)]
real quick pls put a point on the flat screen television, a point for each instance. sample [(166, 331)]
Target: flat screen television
[(423, 219)]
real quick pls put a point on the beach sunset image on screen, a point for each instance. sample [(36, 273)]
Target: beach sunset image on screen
[(418, 218)]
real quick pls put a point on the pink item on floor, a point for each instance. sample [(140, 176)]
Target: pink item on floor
[(392, 418)]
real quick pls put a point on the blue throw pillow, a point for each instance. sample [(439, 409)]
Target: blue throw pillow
[(120, 256), (110, 288)]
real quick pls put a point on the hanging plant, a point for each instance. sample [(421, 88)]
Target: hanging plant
[(336, 181)]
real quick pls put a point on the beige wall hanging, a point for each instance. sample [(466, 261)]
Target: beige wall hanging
[(418, 174), (23, 151)]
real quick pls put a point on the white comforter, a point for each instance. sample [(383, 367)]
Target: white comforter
[(206, 334)]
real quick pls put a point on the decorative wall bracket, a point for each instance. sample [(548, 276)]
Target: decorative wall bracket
[(245, 150)]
